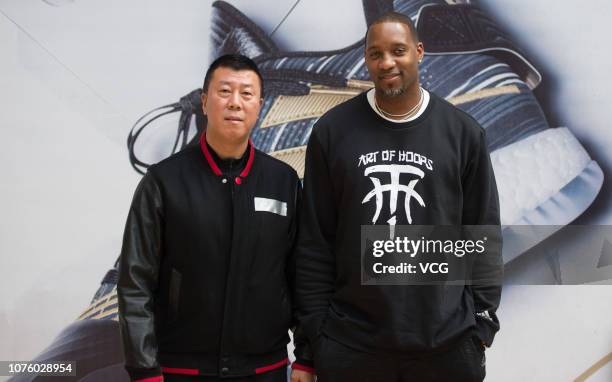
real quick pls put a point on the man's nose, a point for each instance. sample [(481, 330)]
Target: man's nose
[(234, 101), (386, 62)]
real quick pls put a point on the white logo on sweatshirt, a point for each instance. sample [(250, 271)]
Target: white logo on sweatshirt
[(394, 188), (395, 172)]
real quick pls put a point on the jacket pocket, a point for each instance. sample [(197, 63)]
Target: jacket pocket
[(268, 309), (174, 294)]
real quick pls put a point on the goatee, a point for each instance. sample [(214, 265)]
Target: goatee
[(393, 92)]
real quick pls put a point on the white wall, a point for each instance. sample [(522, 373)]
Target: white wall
[(74, 78)]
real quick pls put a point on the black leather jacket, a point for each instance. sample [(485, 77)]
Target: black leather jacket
[(206, 269)]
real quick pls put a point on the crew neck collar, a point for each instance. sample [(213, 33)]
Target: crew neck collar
[(426, 98)]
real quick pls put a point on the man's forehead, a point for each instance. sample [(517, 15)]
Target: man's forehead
[(401, 33), (223, 75)]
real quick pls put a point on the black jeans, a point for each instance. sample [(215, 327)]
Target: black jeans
[(277, 375), (463, 362)]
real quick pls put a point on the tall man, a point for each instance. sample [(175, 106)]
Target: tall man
[(396, 155), (205, 269)]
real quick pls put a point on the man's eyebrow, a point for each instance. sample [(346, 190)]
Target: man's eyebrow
[(225, 82), (395, 44)]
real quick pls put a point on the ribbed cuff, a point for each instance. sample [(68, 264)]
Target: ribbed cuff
[(303, 365), (312, 327), (159, 378), (485, 331)]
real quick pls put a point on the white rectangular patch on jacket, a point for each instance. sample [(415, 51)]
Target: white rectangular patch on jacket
[(271, 205)]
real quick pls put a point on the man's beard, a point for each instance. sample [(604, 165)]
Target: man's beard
[(393, 92)]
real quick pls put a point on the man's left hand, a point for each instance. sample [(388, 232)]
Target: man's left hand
[(302, 376)]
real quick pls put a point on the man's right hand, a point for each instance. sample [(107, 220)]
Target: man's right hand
[(302, 376)]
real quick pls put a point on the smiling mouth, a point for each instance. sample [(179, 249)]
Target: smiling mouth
[(389, 76)]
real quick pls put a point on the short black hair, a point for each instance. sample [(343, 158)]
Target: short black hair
[(395, 17), (235, 62)]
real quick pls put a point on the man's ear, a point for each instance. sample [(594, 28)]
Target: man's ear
[(204, 97), (420, 50)]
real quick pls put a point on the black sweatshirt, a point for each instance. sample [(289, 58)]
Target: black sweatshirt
[(444, 155)]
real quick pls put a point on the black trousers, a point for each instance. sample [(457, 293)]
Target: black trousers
[(463, 362), (277, 375)]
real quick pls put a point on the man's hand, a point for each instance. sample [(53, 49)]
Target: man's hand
[(301, 376)]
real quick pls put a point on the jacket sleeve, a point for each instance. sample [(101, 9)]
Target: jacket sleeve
[(315, 274), (481, 207), (138, 279), (302, 351)]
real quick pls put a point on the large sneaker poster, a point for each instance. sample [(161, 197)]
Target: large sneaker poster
[(95, 92)]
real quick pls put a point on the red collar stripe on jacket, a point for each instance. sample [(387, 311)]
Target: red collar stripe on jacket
[(215, 168)]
